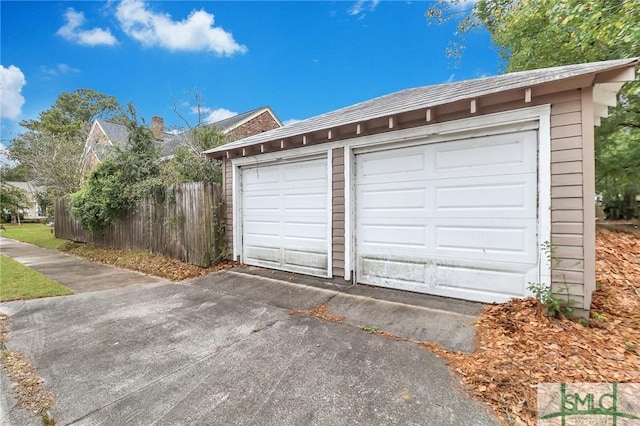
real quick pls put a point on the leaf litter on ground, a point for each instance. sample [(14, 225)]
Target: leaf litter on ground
[(151, 264), (519, 347)]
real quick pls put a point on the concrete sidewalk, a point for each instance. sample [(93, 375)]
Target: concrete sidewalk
[(79, 275)]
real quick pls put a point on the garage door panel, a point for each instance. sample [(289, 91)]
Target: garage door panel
[(398, 236), (505, 283), (388, 199), (307, 231), (261, 255), (314, 202), (497, 151), (259, 178), (499, 154), (257, 228), (484, 282), (295, 259), (261, 203), (393, 270), (478, 196), (284, 216), (435, 233), (509, 243), (377, 168), (377, 164), (304, 171), (464, 226)]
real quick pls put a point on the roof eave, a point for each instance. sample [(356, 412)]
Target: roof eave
[(606, 81)]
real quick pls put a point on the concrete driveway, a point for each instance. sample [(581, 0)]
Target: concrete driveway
[(225, 349)]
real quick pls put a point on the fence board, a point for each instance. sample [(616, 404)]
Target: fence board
[(186, 226)]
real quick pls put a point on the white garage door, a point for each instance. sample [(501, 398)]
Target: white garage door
[(284, 216), (454, 219)]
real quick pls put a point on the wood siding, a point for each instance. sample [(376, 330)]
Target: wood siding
[(337, 200), (227, 187), (567, 192), (186, 227)]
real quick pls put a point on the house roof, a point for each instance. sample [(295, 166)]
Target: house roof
[(425, 97), (118, 133), (228, 124), (171, 141), (115, 132), (29, 187)]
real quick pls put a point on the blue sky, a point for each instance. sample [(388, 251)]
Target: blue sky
[(302, 58)]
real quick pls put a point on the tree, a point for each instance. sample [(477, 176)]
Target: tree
[(17, 173), (13, 201), (618, 156), (115, 185), (542, 33), (189, 163), (52, 147)]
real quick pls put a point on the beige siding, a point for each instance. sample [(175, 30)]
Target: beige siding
[(589, 205), (337, 198), (227, 185), (567, 216)]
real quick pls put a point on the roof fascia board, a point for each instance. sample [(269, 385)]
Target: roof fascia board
[(625, 74), (509, 120)]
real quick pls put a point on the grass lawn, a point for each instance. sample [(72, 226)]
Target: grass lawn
[(34, 233), (20, 282)]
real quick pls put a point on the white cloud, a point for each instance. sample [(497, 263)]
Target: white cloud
[(71, 31), (59, 69), (11, 82), (213, 115), (196, 33), (362, 6), (4, 159), (291, 121)]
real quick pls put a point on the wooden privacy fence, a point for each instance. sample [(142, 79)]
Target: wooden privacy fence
[(187, 225)]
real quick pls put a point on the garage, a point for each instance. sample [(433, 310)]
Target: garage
[(452, 219), (284, 216), (451, 190)]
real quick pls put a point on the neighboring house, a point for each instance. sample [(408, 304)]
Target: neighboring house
[(104, 135), (34, 211), (450, 190)]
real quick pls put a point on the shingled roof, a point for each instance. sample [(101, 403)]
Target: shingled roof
[(228, 124), (118, 133), (422, 98)]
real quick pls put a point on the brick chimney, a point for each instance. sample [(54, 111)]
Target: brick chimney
[(157, 126)]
